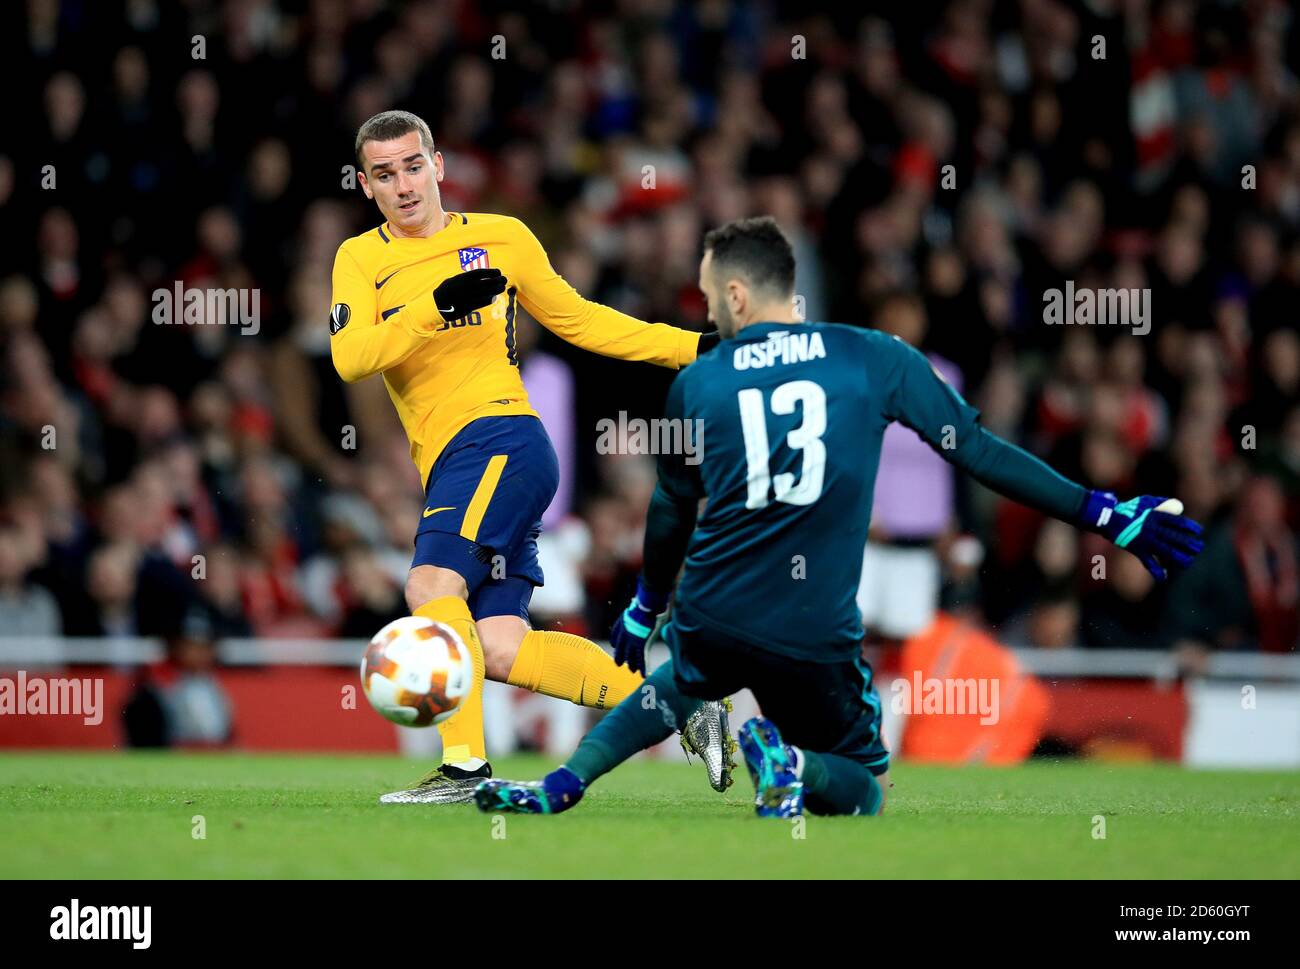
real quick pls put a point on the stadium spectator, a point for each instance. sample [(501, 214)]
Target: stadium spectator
[(1244, 590), (26, 609), (180, 702)]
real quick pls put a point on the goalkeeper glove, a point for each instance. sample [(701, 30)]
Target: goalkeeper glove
[(636, 625), (1154, 529), (460, 295)]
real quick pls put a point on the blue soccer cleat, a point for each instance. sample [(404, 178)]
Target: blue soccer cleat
[(778, 791), (557, 792)]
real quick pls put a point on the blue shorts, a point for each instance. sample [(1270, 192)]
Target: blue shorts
[(831, 708), (483, 509)]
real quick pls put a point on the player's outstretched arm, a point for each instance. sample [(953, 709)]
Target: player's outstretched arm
[(559, 308), (1152, 528)]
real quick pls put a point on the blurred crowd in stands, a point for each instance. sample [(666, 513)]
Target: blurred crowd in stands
[(938, 167)]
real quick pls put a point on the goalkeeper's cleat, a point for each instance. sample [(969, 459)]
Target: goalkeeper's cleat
[(778, 791), (445, 784), (707, 735), (558, 791)]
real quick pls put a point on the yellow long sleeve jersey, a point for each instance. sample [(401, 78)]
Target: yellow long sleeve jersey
[(441, 375)]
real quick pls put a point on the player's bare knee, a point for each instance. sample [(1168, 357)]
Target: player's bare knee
[(501, 637), (427, 582), (497, 662)]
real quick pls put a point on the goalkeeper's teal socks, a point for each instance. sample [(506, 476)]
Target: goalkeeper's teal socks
[(648, 716), (833, 784), (836, 785)]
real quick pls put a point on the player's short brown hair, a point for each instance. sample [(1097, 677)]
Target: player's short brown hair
[(387, 125), (756, 249)]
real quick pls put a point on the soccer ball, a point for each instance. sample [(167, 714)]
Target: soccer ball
[(416, 671)]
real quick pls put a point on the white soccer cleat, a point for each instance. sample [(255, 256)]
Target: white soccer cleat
[(445, 784)]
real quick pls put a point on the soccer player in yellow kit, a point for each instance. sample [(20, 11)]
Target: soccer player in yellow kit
[(429, 300)]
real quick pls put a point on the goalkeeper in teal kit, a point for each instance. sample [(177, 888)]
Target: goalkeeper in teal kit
[(793, 415)]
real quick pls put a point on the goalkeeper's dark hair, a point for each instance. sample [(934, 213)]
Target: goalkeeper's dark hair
[(756, 250), (387, 125)]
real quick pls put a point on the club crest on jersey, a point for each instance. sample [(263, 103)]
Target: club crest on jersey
[(339, 317), (473, 258)]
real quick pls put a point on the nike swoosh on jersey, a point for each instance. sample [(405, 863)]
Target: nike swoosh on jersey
[(446, 313), (434, 511), (380, 284)]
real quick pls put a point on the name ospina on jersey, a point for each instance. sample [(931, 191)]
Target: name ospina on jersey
[(779, 348)]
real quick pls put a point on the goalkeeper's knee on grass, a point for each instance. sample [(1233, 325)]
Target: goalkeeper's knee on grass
[(837, 785)]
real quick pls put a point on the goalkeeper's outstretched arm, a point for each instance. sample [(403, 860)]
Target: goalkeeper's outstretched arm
[(1151, 527)]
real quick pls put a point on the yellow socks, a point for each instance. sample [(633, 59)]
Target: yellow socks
[(462, 733), (571, 668), (555, 664)]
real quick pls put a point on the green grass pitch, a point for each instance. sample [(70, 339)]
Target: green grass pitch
[(67, 815)]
